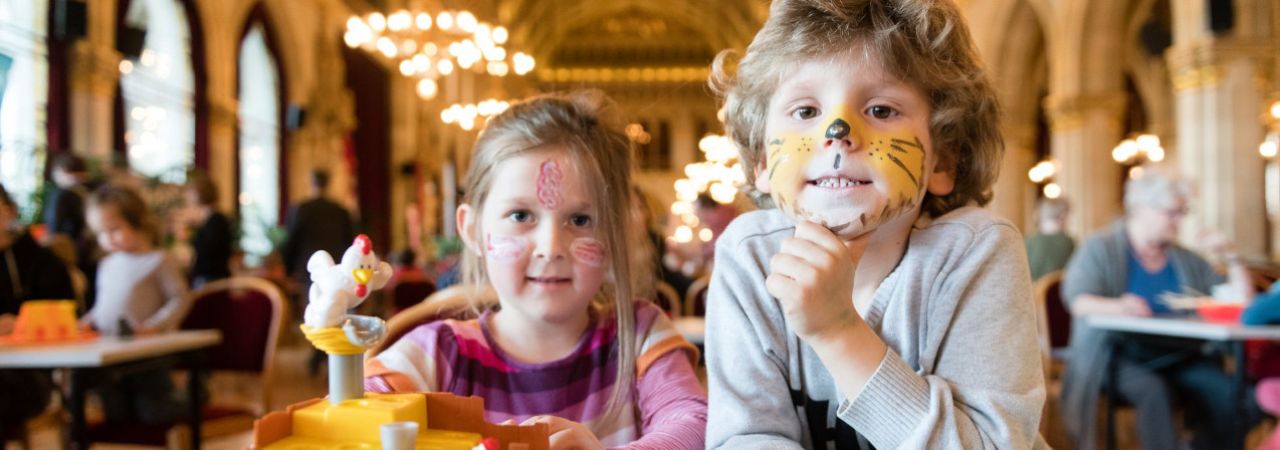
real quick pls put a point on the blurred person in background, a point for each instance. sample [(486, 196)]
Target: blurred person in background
[(1049, 249), (214, 239), (27, 272)]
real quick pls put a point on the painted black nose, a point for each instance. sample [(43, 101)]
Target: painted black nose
[(838, 129)]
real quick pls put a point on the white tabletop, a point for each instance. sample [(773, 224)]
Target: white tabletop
[(1188, 328), (106, 350)]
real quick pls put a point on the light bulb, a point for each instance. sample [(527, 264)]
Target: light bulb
[(427, 88), (1052, 190)]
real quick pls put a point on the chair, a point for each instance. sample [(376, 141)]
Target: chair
[(665, 297), (407, 293), (695, 300), (249, 312), (453, 302), (1048, 292)]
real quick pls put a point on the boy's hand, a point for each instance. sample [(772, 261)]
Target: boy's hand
[(812, 277), (567, 434)]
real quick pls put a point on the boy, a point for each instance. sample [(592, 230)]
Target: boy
[(873, 127)]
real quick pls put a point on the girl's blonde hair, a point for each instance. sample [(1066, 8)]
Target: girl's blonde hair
[(922, 42), (582, 125)]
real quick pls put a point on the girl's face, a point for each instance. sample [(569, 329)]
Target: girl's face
[(114, 233), (539, 238), (847, 146)]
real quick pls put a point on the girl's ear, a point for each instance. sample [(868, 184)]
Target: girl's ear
[(467, 219)]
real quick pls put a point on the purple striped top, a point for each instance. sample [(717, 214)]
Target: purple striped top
[(461, 357)]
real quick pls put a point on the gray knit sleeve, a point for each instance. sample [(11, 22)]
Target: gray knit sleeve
[(986, 388), (749, 400)]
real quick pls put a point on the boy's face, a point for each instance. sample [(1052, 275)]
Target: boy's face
[(848, 147)]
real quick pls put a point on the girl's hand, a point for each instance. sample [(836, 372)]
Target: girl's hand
[(812, 277), (567, 434)]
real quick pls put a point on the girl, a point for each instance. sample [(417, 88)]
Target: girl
[(139, 291), (545, 223)]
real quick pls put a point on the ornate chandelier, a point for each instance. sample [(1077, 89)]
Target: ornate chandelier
[(429, 46)]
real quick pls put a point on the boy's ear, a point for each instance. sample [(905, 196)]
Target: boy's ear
[(762, 182), (466, 218), (943, 179)]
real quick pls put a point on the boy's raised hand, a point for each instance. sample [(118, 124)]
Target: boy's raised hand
[(812, 278)]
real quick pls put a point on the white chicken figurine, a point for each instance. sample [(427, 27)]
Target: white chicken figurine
[(337, 288)]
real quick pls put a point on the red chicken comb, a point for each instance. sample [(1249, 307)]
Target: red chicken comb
[(362, 242)]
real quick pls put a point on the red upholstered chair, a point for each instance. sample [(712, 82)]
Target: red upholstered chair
[(405, 294), (666, 298), (695, 299), (249, 312)]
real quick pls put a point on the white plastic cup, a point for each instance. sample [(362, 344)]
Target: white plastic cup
[(399, 435)]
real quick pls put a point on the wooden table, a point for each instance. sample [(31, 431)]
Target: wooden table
[(1234, 335), (91, 361)]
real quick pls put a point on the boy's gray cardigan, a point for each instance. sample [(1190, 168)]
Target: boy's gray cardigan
[(963, 368)]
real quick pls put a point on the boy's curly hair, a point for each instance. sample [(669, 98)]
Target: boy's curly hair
[(922, 42)]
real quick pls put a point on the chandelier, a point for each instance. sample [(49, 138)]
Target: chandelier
[(720, 177), (428, 47)]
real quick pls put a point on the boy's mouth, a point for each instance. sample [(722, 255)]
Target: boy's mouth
[(838, 182)]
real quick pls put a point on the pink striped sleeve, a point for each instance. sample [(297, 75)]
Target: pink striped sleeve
[(673, 405)]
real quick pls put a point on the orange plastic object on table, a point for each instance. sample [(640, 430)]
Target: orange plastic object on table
[(1225, 313), (47, 322)]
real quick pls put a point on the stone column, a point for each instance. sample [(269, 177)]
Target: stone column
[(1219, 100), (224, 114), (95, 74), (1220, 81), (1084, 130), (1015, 196)]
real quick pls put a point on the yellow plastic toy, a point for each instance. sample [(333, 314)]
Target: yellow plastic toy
[(352, 419), (46, 322)]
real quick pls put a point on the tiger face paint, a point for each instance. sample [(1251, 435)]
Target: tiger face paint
[(844, 173)]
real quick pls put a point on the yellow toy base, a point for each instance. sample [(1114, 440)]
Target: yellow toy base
[(456, 423)]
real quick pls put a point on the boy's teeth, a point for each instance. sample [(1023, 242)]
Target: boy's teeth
[(836, 183)]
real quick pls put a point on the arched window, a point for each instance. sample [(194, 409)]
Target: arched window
[(23, 93), (158, 90), (259, 143)]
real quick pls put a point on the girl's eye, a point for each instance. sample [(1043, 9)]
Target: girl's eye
[(881, 112), (520, 216), (580, 220), (804, 113)]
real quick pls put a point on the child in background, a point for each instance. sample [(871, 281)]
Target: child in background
[(140, 290), (879, 306), (546, 226)]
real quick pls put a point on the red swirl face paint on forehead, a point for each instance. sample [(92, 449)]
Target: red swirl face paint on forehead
[(589, 251), (550, 179)]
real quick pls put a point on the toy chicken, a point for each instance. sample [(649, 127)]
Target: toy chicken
[(335, 288)]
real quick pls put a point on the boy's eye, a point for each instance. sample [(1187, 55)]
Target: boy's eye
[(881, 112), (804, 113), (520, 216), (580, 220)]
